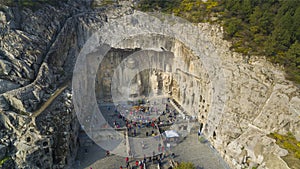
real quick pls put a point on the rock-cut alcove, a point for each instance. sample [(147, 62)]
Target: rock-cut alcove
[(165, 66)]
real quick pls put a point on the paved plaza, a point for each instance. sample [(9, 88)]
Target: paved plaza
[(191, 150), (141, 137)]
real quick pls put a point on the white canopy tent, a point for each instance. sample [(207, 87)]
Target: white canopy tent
[(171, 134)]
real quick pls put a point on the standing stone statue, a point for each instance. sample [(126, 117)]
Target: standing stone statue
[(106, 83), (183, 90), (190, 93), (154, 82), (175, 88), (167, 80), (130, 83)]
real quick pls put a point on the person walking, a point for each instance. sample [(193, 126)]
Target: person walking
[(152, 125), (144, 158), (141, 164), (153, 155), (143, 145), (160, 156), (200, 138)]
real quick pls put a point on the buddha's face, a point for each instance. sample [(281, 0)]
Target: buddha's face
[(131, 63)]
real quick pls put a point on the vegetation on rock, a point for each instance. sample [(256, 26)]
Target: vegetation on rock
[(289, 143), (4, 160), (32, 4), (270, 28), (186, 165), (102, 3)]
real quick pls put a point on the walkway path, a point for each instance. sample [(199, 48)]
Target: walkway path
[(51, 99), (201, 154)]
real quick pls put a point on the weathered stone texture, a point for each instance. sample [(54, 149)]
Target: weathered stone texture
[(37, 54)]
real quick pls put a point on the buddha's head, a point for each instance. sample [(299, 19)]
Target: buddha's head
[(131, 63)]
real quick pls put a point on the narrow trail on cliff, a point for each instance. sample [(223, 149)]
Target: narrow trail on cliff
[(44, 106), (51, 99), (50, 48), (58, 91), (259, 111)]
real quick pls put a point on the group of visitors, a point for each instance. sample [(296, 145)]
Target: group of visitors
[(138, 117), (141, 164)]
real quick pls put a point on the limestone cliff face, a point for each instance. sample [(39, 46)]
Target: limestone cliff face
[(242, 98), (259, 101), (38, 124), (37, 54)]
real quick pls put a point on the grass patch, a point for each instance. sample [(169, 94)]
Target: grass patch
[(186, 165)]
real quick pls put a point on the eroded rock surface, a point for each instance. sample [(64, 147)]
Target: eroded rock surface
[(38, 50), (38, 124)]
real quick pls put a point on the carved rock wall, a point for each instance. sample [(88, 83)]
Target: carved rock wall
[(38, 126), (258, 98), (191, 86)]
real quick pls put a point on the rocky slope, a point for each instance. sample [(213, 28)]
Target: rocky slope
[(248, 97), (37, 54)]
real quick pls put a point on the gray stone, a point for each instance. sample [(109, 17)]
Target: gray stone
[(2, 18), (3, 104), (3, 150), (6, 85), (15, 102), (259, 99), (5, 67)]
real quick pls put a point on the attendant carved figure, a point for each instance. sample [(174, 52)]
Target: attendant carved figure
[(167, 80)]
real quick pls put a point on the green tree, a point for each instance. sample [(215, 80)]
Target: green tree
[(268, 27), (292, 61), (296, 25), (232, 26)]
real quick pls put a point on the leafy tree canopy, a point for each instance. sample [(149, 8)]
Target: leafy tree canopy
[(270, 27)]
